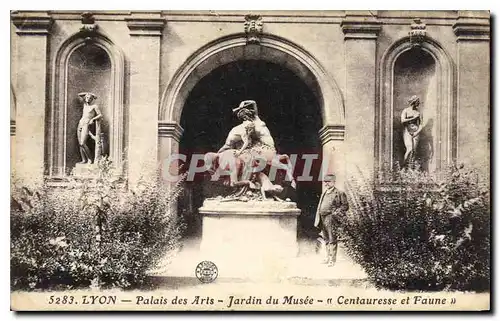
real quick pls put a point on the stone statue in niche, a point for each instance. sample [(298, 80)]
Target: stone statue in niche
[(249, 145), (91, 113), (411, 119)]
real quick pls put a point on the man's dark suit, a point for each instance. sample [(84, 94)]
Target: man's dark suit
[(332, 206)]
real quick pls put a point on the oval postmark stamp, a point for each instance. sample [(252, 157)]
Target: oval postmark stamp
[(206, 271)]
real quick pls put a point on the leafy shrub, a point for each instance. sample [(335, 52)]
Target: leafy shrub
[(94, 232), (422, 232)]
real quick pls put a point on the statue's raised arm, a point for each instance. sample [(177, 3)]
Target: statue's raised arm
[(247, 104)]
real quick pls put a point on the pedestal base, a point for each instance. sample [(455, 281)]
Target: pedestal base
[(84, 170), (254, 238)]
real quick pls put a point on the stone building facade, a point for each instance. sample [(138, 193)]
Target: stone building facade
[(157, 76)]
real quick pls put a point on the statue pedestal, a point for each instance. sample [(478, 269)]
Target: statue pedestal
[(253, 238), (85, 170)]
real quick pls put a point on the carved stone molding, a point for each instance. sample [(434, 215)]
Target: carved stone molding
[(145, 26), (88, 24), (253, 28), (471, 30), (34, 25), (170, 129), (360, 29), (417, 33), (12, 127), (331, 133)]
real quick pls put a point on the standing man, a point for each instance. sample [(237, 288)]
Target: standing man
[(331, 208)]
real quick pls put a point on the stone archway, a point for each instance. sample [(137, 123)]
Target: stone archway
[(291, 112), (271, 49)]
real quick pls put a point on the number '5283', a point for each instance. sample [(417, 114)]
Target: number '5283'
[(65, 299)]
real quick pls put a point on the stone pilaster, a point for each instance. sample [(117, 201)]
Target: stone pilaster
[(332, 139), (360, 34), (144, 49), (473, 64), (32, 31), (169, 135)]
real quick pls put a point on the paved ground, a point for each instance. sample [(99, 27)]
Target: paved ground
[(305, 269)]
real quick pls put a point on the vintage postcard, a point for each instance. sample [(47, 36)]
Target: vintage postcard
[(250, 160)]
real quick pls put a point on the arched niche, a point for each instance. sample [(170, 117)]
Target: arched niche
[(427, 71), (85, 64)]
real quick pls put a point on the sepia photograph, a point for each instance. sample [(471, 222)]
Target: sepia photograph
[(253, 160)]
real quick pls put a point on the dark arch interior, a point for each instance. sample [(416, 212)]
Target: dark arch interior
[(287, 105)]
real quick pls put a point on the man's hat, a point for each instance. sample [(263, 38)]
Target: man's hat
[(82, 95), (245, 104), (329, 178)]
